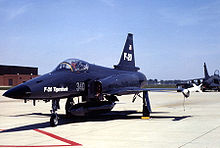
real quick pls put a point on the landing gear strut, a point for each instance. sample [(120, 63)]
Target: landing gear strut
[(54, 117), (68, 105), (146, 106)]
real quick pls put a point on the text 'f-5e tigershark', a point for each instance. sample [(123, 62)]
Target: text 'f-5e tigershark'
[(99, 86)]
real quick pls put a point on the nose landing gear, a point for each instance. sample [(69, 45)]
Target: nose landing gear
[(54, 117)]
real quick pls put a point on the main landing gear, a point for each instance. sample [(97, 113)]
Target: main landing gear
[(146, 106), (98, 106), (54, 117)]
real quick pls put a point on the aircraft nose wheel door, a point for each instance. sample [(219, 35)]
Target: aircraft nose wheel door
[(54, 117)]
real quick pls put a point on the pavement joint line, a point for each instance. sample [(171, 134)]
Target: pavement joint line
[(199, 136)]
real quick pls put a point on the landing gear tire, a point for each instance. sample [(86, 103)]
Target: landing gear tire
[(54, 116), (54, 120)]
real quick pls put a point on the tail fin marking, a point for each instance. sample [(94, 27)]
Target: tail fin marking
[(206, 71), (127, 61)]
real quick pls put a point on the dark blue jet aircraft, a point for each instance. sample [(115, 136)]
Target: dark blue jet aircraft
[(206, 83), (97, 85), (211, 82)]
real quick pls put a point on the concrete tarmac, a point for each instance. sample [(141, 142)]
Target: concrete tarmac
[(174, 123)]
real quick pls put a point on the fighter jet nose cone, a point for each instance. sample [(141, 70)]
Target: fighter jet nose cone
[(18, 92)]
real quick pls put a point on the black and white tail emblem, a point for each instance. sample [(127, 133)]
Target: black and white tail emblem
[(127, 56), (130, 47)]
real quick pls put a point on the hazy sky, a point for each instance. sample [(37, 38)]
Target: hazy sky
[(172, 38)]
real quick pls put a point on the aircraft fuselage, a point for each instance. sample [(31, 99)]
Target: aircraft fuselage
[(64, 84)]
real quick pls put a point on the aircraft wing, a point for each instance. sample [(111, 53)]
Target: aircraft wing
[(133, 90), (194, 79)]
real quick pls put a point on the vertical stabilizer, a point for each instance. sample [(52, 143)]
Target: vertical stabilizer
[(127, 61), (206, 71)]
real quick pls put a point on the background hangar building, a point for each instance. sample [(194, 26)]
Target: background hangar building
[(14, 75)]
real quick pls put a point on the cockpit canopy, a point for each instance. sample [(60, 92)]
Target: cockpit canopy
[(74, 65), (216, 73)]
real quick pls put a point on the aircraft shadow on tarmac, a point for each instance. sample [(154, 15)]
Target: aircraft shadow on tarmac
[(113, 115)]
